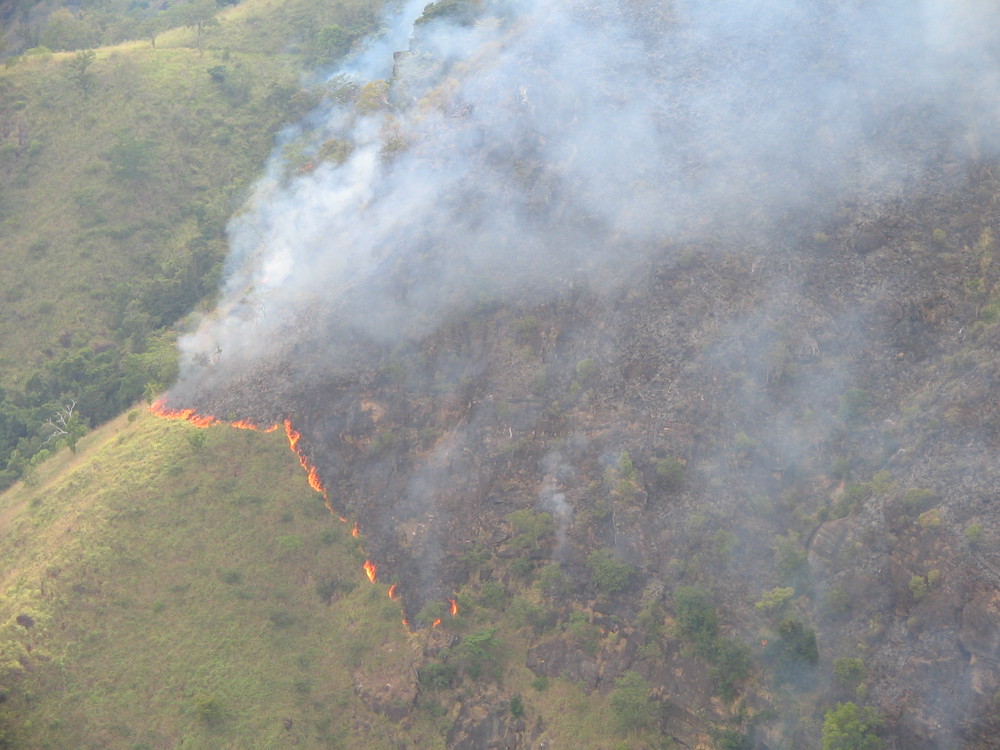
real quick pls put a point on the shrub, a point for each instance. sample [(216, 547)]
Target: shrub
[(848, 727), (854, 405), (437, 676), (530, 528), (517, 706), (918, 500), (630, 703), (670, 473), (974, 533), (696, 616), (776, 600), (608, 572), (798, 641), (208, 708), (731, 665), (849, 671), (918, 587)]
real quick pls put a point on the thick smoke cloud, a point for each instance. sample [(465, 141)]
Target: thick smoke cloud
[(546, 143)]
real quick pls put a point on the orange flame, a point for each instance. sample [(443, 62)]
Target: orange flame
[(392, 591), (370, 570), (293, 436), (355, 531), (454, 606), (436, 623), (160, 409), (312, 476), (242, 424)]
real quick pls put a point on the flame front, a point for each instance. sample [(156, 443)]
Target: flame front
[(160, 409), (436, 623), (453, 603), (312, 476), (294, 436)]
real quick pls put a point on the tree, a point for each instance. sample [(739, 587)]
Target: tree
[(79, 73), (530, 528), (66, 425), (631, 704), (848, 727), (198, 15), (66, 30)]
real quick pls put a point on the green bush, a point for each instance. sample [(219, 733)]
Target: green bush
[(631, 705), (849, 671), (670, 474), (847, 727), (697, 619), (437, 675), (608, 572)]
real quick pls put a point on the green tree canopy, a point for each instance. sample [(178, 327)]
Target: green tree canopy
[(848, 727)]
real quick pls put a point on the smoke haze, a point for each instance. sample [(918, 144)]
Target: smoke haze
[(558, 142), (521, 152)]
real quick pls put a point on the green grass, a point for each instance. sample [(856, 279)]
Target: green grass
[(108, 188), (157, 579)]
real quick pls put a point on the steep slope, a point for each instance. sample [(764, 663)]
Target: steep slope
[(680, 374), (667, 426)]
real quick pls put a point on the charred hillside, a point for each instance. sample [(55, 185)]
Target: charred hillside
[(814, 418), (691, 366)]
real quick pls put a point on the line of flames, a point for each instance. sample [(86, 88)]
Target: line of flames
[(160, 409)]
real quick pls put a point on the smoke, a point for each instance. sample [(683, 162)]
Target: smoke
[(559, 473), (549, 143), (508, 152)]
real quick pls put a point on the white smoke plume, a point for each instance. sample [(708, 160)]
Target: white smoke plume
[(559, 141)]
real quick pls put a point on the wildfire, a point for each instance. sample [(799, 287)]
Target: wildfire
[(294, 436), (160, 409), (312, 476), (436, 623), (190, 415), (242, 424), (453, 604)]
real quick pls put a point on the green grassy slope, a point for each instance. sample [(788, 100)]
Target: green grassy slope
[(116, 193), (119, 168), (177, 581)]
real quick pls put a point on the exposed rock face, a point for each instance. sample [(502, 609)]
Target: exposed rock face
[(391, 690), (486, 724)]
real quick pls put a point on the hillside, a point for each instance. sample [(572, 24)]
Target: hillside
[(120, 168), (649, 355)]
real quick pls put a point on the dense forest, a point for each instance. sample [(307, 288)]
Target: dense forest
[(636, 360)]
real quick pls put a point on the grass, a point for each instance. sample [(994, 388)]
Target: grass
[(110, 187), (123, 556), (178, 594)]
